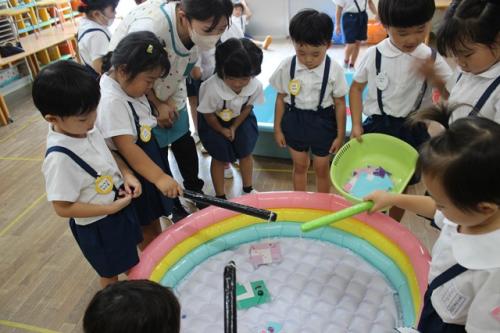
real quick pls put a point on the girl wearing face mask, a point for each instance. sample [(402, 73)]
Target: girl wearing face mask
[(93, 34), (185, 27)]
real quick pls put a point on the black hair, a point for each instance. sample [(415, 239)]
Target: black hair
[(469, 21), (465, 159), (202, 10), (136, 306), (238, 4), (65, 89), (138, 52), (405, 13), (87, 6), (311, 27), (238, 58)]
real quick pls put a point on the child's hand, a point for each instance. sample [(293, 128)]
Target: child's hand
[(381, 200), (167, 115), (168, 186), (280, 139), (356, 132), (132, 185), (337, 30), (120, 203), (426, 69), (336, 144), (228, 133)]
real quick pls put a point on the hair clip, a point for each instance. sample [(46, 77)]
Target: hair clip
[(149, 49)]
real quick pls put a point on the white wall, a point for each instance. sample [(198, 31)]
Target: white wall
[(271, 17)]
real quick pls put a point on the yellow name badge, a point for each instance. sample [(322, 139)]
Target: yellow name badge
[(294, 87), (226, 114), (145, 134), (104, 184)]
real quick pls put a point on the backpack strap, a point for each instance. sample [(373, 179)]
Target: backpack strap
[(92, 30), (484, 97)]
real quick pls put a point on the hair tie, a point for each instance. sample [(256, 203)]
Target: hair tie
[(149, 49), (83, 4)]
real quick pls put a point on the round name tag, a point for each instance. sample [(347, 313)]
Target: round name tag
[(294, 87), (104, 184), (226, 114), (382, 81), (145, 134)]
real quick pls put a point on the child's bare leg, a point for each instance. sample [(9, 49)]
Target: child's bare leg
[(217, 173), (355, 53), (193, 106), (149, 233), (300, 168), (321, 168), (349, 48), (246, 167), (104, 281)]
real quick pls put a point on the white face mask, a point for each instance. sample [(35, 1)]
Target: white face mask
[(203, 42)]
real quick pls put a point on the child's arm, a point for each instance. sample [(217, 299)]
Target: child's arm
[(246, 10), (428, 70), (419, 204), (213, 122), (341, 119), (241, 118), (131, 184), (372, 7), (81, 210), (338, 16), (143, 165), (356, 105), (167, 110), (278, 116)]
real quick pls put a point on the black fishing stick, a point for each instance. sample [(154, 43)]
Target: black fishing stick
[(244, 209), (230, 298)]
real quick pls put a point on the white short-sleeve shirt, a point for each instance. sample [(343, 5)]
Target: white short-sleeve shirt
[(241, 22), (469, 89), (404, 81), (310, 83), (94, 44), (65, 180), (114, 115), (473, 297), (159, 17), (348, 6), (232, 31), (214, 92), (206, 62)]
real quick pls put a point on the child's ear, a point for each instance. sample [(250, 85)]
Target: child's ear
[(487, 208), (51, 119), (329, 44)]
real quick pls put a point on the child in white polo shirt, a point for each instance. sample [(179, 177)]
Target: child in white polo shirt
[(83, 180), (226, 124), (470, 33), (310, 106), (400, 73), (460, 169), (93, 34)]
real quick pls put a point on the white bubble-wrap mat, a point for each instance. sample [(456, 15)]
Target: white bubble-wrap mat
[(317, 287)]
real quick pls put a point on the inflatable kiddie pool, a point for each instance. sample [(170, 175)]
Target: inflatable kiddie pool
[(363, 274)]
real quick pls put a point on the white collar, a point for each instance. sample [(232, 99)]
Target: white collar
[(76, 145), (492, 73), (388, 49), (111, 87), (475, 251), (228, 94), (319, 71)]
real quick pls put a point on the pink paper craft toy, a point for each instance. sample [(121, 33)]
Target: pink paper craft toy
[(265, 253)]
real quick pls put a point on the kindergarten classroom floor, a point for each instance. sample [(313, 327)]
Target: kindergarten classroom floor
[(45, 283)]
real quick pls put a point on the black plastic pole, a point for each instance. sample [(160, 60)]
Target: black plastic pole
[(244, 209), (230, 298)]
